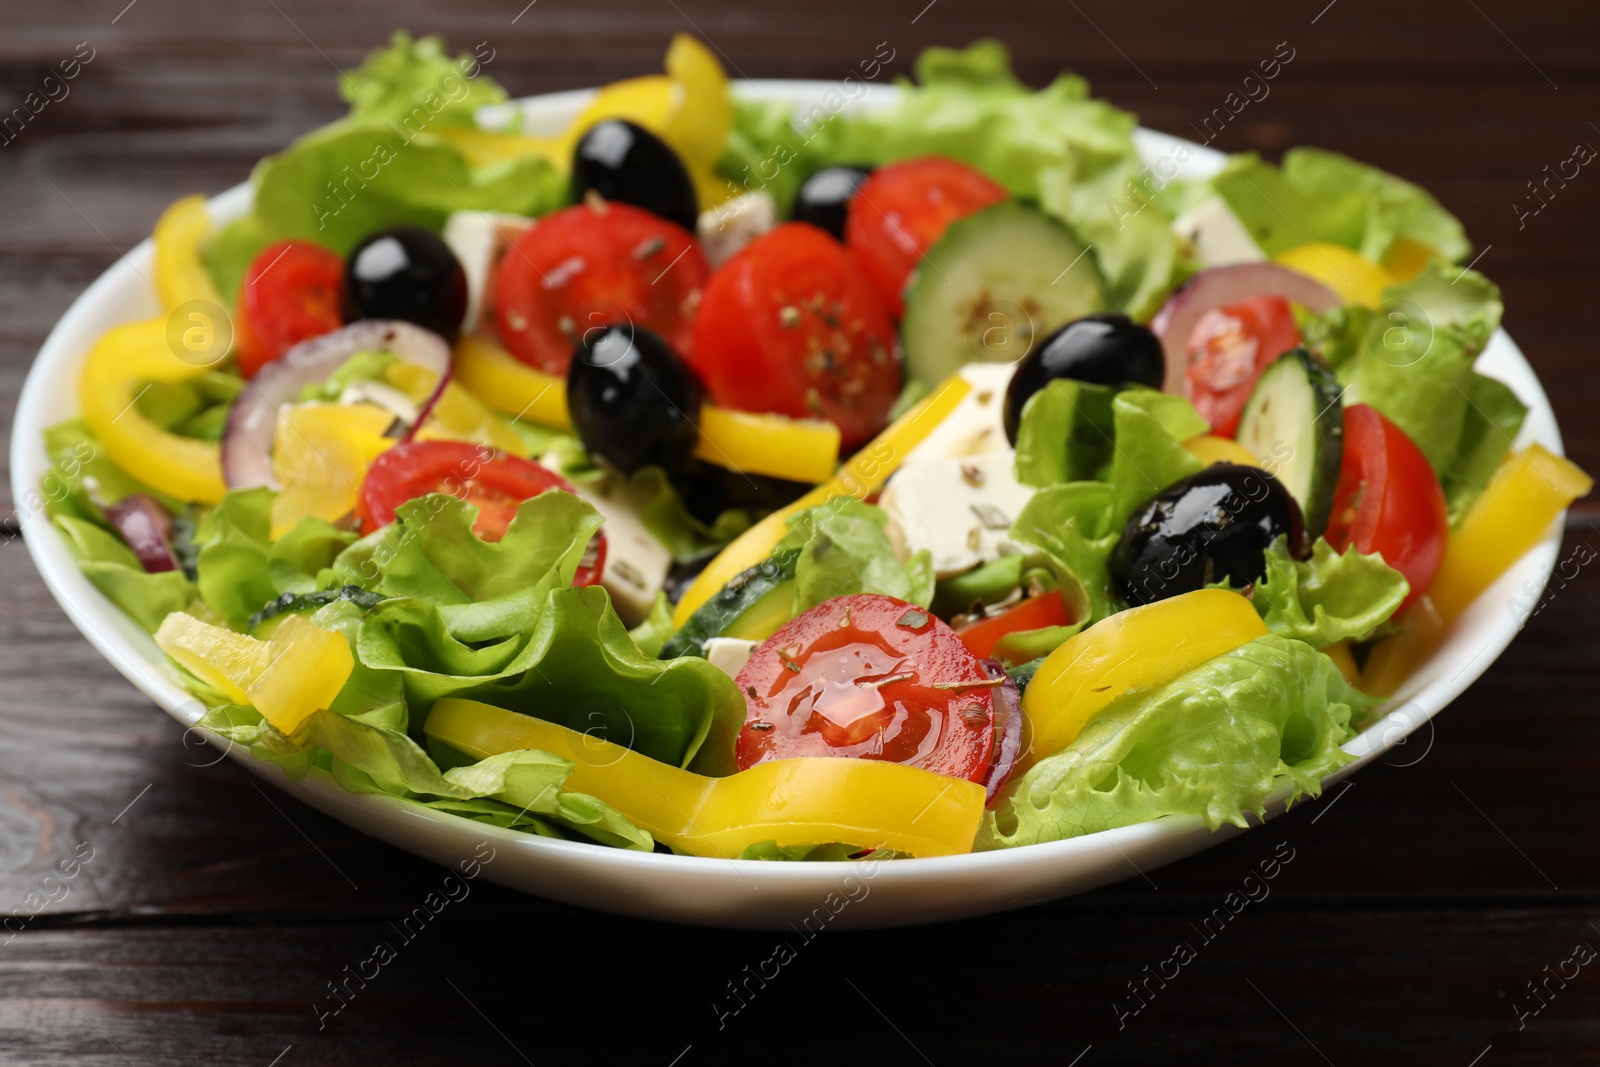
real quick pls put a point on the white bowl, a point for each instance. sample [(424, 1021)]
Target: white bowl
[(732, 893)]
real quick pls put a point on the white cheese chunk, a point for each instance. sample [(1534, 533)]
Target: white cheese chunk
[(729, 654), (975, 427), (727, 228), (960, 509), (478, 239), (1216, 233), (636, 563)]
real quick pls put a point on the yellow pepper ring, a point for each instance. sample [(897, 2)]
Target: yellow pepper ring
[(801, 450), (181, 276), (114, 372), (1141, 648), (803, 801), (863, 475)]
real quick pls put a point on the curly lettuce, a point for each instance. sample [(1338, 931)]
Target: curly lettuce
[(1070, 153), (1216, 743), (1318, 195)]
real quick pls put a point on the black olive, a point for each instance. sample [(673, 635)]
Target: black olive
[(633, 401), (1211, 527), (824, 198), (631, 165), (1107, 349), (406, 273)]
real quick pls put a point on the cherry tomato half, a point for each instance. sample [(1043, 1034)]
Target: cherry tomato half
[(871, 677), (901, 210), (1228, 350), (591, 265), (1036, 612), (791, 325), (291, 293), (493, 482), (1388, 500)]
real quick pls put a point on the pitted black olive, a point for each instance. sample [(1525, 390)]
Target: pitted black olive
[(824, 198), (1211, 527), (1108, 349), (627, 163), (632, 399), (406, 273)]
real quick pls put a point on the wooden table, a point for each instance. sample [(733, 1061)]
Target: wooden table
[(209, 914)]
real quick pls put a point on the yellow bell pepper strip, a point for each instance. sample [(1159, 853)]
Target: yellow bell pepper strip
[(486, 148), (114, 373), (806, 801), (1528, 492), (801, 450), (299, 671), (509, 385), (457, 415), (688, 108), (1209, 448), (1141, 648), (1347, 272), (320, 454), (1407, 258), (864, 474), (181, 276)]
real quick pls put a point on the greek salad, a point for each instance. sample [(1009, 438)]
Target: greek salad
[(712, 477)]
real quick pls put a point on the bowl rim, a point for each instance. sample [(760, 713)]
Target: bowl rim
[(134, 654)]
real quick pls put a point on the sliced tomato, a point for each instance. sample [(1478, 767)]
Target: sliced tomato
[(493, 482), (1388, 500), (591, 265), (291, 293), (901, 210), (870, 677), (790, 325), (1228, 350), (1034, 613)]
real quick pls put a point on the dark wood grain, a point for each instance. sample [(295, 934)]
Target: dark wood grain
[(1421, 897)]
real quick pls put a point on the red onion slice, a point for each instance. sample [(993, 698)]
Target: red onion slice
[(147, 527), (426, 407), (253, 419), (1008, 731), (1218, 287)]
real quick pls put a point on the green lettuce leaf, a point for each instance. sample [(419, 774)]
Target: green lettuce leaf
[(652, 635), (240, 568), (1323, 196), (430, 551), (1329, 597), (1415, 366), (112, 568), (1132, 439), (569, 660), (1072, 524), (392, 83), (845, 550), (77, 458), (372, 753), (1065, 433), (1492, 421), (1215, 743), (1072, 154), (1149, 456)]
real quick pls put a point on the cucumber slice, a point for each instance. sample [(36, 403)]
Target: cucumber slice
[(1294, 425), (270, 617), (993, 284), (751, 606)]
